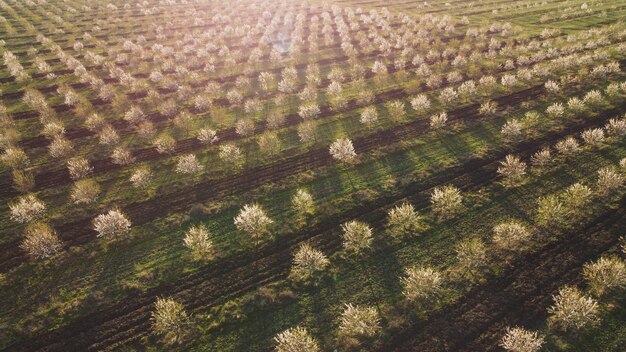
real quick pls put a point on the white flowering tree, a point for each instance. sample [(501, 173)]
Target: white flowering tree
[(357, 236), (309, 111), (198, 242), (396, 110), (369, 115), (295, 340), (14, 157), (521, 340), (512, 170), (572, 310), (555, 110), (448, 96), (41, 241), (202, 103), (551, 212), (437, 121), (141, 178), (512, 130), (134, 115), (471, 256), (567, 147), (609, 181), (403, 220), (575, 105), (188, 164), (303, 204), (165, 144), (275, 119), (231, 155), (53, 129), (60, 147), (337, 98), (307, 262), (170, 321), (85, 191), (108, 136), (446, 202), (420, 103), (253, 220), (359, 322), (541, 159), (593, 137), (27, 209), (511, 235), (342, 150), (113, 223), (207, 136), (422, 285), (245, 127), (605, 275), (78, 168), (552, 86), (122, 156), (380, 70), (616, 127)]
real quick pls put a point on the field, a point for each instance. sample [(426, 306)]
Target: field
[(346, 175)]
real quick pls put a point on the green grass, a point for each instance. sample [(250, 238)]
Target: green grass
[(40, 296)]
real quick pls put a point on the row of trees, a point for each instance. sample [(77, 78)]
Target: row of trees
[(446, 201), (513, 170)]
